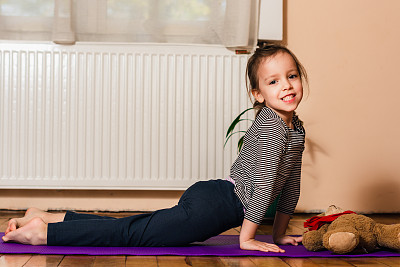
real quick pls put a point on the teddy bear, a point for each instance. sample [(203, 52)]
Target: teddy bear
[(349, 232)]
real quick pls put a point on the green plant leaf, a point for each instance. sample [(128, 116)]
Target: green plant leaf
[(226, 141), (236, 121), (233, 125)]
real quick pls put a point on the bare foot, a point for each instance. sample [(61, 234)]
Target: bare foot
[(31, 213), (33, 233)]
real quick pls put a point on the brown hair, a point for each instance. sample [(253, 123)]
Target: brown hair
[(260, 54)]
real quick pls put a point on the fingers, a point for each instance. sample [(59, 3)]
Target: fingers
[(289, 240), (296, 240), (299, 239), (260, 246), (293, 241), (266, 247)]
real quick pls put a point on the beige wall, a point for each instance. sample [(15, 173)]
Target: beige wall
[(102, 200), (351, 51)]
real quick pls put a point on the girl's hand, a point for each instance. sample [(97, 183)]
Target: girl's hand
[(253, 244), (288, 240)]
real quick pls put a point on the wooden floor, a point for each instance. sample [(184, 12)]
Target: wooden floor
[(295, 227)]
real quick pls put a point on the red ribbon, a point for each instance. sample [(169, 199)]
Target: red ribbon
[(316, 222)]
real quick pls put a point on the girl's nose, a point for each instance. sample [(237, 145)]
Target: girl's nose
[(286, 85)]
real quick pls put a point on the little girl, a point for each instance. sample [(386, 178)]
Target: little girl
[(268, 165)]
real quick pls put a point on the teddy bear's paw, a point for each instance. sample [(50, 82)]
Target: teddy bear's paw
[(388, 236), (396, 244), (392, 243), (312, 241), (342, 242)]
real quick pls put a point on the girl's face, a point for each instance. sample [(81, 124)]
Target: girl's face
[(280, 86)]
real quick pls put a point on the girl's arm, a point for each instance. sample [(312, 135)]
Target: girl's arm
[(281, 223), (287, 202), (247, 241)]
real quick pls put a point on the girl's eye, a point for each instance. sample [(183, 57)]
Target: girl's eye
[(272, 82), (293, 76)]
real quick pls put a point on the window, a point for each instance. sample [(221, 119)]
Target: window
[(232, 23), (26, 19)]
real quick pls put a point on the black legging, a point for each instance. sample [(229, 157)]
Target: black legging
[(206, 209)]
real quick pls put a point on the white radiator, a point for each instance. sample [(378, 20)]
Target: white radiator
[(117, 116)]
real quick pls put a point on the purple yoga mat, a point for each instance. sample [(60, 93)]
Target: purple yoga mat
[(222, 245)]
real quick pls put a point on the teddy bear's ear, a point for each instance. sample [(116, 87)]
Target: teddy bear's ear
[(332, 209)]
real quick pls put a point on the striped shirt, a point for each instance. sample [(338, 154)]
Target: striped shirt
[(268, 164)]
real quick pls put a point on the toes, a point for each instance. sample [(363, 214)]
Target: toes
[(12, 226), (33, 233), (8, 237)]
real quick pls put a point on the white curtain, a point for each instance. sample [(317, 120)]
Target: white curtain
[(233, 23)]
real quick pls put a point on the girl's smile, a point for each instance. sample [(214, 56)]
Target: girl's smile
[(289, 98)]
